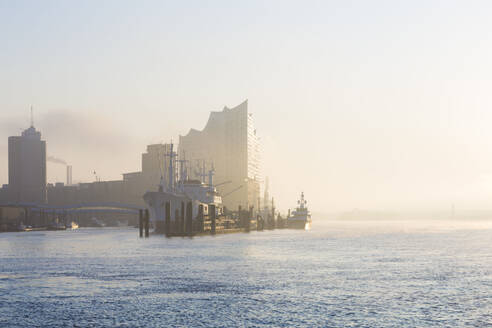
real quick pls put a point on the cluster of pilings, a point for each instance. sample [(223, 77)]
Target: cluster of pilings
[(143, 222), (269, 222), (244, 218), (184, 224)]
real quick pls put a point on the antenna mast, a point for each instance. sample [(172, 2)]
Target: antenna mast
[(32, 118)]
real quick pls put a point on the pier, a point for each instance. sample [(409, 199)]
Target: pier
[(209, 222)]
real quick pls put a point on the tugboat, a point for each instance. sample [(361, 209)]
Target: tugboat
[(300, 217)]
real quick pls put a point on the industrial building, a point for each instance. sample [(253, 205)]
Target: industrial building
[(130, 190), (230, 146)]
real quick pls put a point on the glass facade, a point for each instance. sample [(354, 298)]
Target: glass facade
[(229, 141)]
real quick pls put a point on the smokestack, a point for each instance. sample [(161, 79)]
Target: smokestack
[(69, 175)]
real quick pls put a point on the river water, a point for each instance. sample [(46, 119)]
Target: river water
[(350, 274)]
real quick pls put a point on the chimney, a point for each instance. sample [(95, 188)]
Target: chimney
[(69, 175)]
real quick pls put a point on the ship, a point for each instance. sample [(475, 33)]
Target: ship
[(300, 218), (72, 225), (178, 192)]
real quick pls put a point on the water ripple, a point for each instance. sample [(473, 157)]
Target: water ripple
[(332, 276)]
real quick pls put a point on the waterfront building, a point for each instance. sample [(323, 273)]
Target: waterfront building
[(27, 167), (129, 190), (229, 145)]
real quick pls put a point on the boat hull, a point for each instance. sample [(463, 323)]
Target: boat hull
[(56, 228), (301, 224)]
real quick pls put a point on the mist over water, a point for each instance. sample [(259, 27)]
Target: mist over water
[(378, 111), (370, 105), (340, 273)]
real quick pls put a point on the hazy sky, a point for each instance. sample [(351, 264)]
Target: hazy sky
[(361, 104)]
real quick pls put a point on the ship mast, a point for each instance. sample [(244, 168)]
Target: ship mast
[(183, 170), (302, 202), (172, 155), (211, 178)]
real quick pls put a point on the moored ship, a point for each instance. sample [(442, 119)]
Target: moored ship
[(72, 225), (300, 218), (178, 193)]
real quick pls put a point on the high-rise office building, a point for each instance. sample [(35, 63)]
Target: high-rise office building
[(27, 167), (229, 144)]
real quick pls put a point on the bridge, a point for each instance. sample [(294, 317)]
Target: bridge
[(93, 206), (35, 214)]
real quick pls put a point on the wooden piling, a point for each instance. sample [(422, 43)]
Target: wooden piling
[(273, 217), (189, 218), (200, 218), (146, 223), (259, 223), (182, 228), (248, 219), (240, 216), (167, 225), (176, 221), (211, 214), (140, 222)]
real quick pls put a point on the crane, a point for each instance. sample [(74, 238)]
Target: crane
[(223, 183), (233, 191)]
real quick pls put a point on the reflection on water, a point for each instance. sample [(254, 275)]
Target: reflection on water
[(355, 273)]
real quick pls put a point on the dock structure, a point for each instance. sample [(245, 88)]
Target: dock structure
[(207, 221), (191, 219)]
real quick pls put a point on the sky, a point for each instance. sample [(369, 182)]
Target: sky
[(377, 105)]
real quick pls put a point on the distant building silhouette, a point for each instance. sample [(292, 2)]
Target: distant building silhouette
[(154, 164), (27, 167), (130, 190), (230, 143), (228, 146)]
